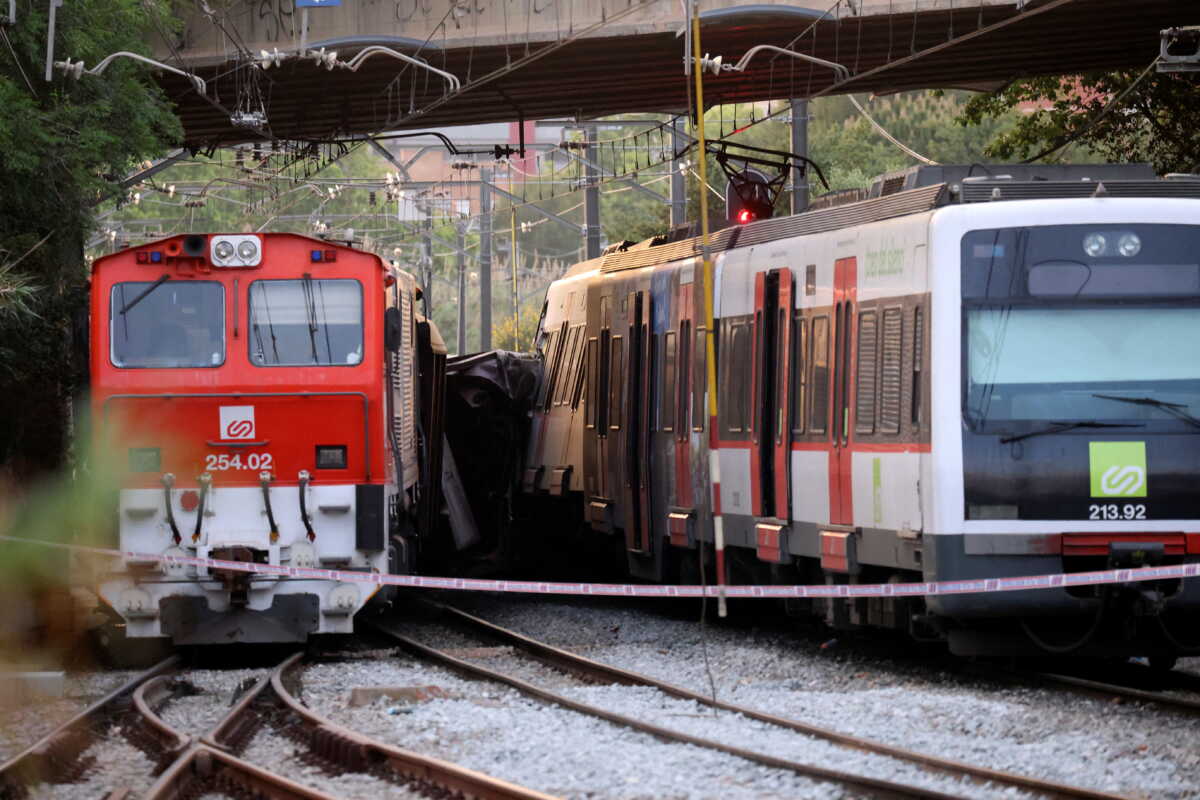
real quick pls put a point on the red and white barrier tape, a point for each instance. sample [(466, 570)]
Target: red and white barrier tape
[(975, 586)]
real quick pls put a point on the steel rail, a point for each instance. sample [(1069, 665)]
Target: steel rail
[(564, 659), (362, 753), (873, 787), (45, 757), (206, 760), (222, 771), (146, 699), (1102, 689)]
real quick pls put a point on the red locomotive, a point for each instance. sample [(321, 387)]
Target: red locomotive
[(272, 395)]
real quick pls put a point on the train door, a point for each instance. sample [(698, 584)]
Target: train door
[(845, 280), (599, 361), (597, 413), (678, 395), (770, 464), (638, 388)]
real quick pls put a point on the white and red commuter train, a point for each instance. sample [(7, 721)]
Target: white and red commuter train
[(962, 376), (270, 398)]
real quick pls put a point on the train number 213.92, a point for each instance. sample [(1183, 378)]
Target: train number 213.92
[(1114, 511), (257, 461)]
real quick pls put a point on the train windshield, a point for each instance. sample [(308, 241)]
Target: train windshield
[(307, 322), (167, 324), (1077, 323)]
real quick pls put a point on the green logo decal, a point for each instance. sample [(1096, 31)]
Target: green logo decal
[(1118, 469)]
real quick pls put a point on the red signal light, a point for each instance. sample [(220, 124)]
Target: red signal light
[(744, 216)]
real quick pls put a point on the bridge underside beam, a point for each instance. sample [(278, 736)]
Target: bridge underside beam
[(969, 47)]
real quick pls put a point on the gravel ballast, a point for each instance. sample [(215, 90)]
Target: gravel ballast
[(920, 705), (24, 724), (498, 731)]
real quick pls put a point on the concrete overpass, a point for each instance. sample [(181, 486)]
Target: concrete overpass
[(553, 58)]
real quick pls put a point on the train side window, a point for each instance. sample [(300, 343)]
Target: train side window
[(735, 379), (616, 387), (592, 359), (680, 397), (700, 379), (580, 370), (799, 374), (819, 419), (889, 370), (566, 370), (666, 401), (868, 372), (918, 364), (548, 370)]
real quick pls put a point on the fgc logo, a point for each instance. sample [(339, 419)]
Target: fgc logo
[(1124, 481), (1118, 469), (237, 422)]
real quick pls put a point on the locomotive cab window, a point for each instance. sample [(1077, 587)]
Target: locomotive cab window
[(167, 324), (307, 322)]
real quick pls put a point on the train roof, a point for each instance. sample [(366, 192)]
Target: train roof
[(914, 191), (183, 246)]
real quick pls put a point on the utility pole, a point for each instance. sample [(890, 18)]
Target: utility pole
[(678, 184), (427, 254), (800, 148), (461, 241), (514, 263), (485, 259), (591, 195)]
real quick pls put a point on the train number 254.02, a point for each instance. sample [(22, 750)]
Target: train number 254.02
[(257, 461), (1114, 511)]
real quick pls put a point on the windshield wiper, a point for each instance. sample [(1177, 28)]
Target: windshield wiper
[(310, 312), (1174, 409), (147, 291), (1059, 427)]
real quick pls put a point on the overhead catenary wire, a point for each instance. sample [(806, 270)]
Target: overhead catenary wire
[(884, 133)]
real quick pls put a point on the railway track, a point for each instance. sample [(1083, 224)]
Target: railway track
[(592, 671), (188, 766), (1108, 690)]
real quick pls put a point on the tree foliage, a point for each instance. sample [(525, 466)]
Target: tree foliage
[(65, 146), (1121, 116)]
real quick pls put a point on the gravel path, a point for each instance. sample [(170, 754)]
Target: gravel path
[(1055, 735)]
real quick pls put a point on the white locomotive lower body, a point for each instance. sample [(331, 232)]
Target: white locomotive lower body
[(197, 604)]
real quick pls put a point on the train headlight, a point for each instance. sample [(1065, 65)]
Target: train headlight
[(1094, 244), (236, 251), (1129, 245)]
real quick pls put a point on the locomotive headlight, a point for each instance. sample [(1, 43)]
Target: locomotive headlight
[(224, 250), (1129, 245), (1094, 244), (247, 250)]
